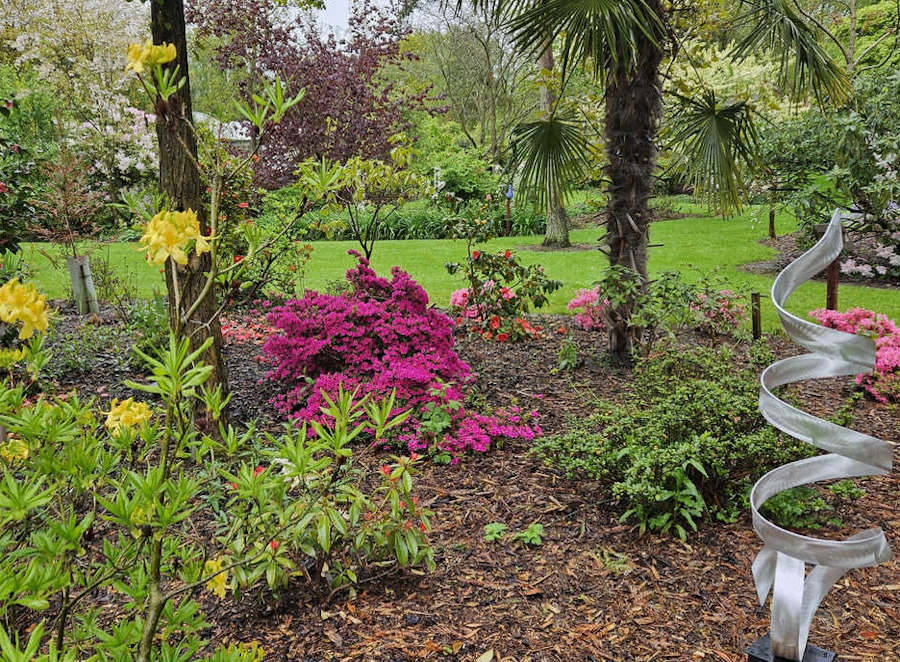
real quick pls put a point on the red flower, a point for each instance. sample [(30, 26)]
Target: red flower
[(507, 255), (494, 322), (502, 337), (413, 456), (257, 471), (243, 205), (422, 526), (386, 470), (562, 330), (274, 545), (233, 485), (3, 188), (475, 254), (238, 258)]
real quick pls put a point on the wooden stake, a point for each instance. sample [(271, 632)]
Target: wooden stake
[(831, 285), (756, 314)]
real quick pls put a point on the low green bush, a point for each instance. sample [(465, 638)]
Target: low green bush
[(687, 444)]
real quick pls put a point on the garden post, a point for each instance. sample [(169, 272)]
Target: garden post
[(756, 315), (83, 284), (831, 285)]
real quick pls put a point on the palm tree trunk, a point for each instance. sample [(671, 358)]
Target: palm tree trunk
[(633, 111), (179, 179), (557, 232)]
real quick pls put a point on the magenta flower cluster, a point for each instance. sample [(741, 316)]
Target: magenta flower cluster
[(380, 337), (589, 307), (883, 383)]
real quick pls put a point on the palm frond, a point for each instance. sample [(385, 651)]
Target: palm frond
[(552, 155), (599, 32), (805, 64), (718, 143)]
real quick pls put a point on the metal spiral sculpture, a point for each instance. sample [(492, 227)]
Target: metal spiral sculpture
[(780, 567)]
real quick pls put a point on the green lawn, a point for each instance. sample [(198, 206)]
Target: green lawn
[(700, 241)]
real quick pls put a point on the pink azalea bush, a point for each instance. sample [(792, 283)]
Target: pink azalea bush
[(883, 383), (380, 337), (589, 307), (720, 312)]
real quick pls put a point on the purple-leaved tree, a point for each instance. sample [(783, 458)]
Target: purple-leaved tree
[(350, 107)]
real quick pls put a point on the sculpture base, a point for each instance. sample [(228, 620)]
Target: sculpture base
[(761, 651)]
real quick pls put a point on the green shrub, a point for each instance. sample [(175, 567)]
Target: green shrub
[(688, 443)]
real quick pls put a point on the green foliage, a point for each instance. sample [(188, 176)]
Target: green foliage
[(494, 531), (646, 311), (532, 535), (844, 156), (567, 357), (806, 507), (457, 170), (687, 444), (799, 508), (152, 508), (367, 190), (148, 325)]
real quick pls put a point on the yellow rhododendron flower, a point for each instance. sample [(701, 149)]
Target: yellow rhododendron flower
[(126, 414), (14, 449), (219, 583), (148, 54), (169, 233), (23, 303)]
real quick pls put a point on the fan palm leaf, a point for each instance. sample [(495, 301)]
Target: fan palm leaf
[(779, 25), (718, 142), (600, 32), (552, 157)]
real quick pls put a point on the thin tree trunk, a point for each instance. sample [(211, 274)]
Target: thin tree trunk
[(179, 179), (633, 110), (557, 232)]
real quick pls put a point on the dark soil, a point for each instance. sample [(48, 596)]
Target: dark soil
[(595, 589)]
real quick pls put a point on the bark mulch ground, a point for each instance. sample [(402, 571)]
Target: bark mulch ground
[(594, 590)]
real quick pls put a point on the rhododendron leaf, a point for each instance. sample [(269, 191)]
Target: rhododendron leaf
[(400, 550)]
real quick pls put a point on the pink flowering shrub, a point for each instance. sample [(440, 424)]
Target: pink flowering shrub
[(501, 291), (591, 317), (720, 312), (380, 337), (883, 383)]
